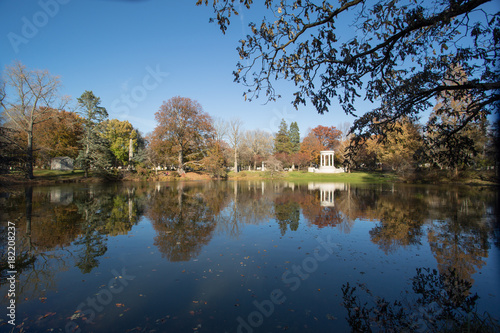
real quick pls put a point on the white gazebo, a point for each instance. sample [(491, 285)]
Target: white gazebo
[(326, 163)]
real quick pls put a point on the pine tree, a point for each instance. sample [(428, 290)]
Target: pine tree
[(282, 143), (95, 153), (294, 135)]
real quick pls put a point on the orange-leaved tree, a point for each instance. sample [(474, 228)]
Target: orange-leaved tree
[(184, 132)]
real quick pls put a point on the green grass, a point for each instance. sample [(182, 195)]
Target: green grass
[(56, 174), (295, 176), (354, 177)]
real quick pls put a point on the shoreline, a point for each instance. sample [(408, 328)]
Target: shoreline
[(48, 177)]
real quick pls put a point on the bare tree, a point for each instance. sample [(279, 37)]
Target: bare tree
[(259, 144), (27, 98), (235, 135), (221, 129)]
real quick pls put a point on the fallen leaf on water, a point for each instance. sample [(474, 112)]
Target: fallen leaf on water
[(120, 305), (76, 315), (42, 299), (46, 315)]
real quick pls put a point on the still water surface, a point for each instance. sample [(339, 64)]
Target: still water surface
[(235, 256)]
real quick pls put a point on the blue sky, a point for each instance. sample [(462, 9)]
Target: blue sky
[(137, 54)]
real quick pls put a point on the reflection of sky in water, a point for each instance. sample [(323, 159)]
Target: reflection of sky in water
[(271, 237)]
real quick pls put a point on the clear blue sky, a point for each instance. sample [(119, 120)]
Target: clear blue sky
[(149, 51)]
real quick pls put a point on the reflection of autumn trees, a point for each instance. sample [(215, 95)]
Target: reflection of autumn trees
[(184, 219), (95, 210), (458, 235), (287, 212), (54, 231), (317, 215), (104, 211), (71, 228), (401, 217)]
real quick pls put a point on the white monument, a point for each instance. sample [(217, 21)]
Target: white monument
[(326, 163)]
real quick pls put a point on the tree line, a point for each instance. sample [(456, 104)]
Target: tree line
[(36, 126)]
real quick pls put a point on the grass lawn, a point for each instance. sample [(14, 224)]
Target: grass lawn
[(42, 177), (56, 174), (354, 177)]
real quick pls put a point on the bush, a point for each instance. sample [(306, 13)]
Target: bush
[(142, 171)]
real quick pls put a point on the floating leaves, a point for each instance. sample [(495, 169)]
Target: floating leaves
[(48, 314)]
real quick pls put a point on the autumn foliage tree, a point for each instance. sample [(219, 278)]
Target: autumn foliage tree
[(453, 140), (184, 132), (28, 97), (329, 137), (59, 135), (311, 147), (121, 135), (400, 149)]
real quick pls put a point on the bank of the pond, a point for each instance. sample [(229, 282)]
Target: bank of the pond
[(46, 177)]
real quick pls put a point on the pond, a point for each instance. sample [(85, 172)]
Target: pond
[(234, 256)]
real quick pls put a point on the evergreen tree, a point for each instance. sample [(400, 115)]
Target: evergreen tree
[(282, 143), (95, 153), (294, 135)]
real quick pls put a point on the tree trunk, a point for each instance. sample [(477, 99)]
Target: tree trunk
[(86, 161), (181, 163), (235, 160), (29, 161)]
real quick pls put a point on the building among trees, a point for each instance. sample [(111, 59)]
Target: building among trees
[(327, 164)]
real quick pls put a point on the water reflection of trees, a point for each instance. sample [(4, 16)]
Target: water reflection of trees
[(184, 219), (458, 234), (60, 227), (454, 221), (457, 222), (401, 216)]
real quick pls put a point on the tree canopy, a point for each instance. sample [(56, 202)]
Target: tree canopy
[(95, 153), (393, 53), (28, 97), (183, 130)]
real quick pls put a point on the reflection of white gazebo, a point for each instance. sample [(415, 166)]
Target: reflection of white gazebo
[(326, 161), (327, 192)]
